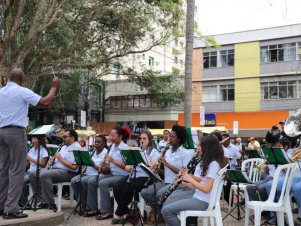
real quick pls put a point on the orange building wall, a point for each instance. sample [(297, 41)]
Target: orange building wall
[(197, 66), (246, 120)]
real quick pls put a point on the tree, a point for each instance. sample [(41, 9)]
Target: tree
[(80, 34), (188, 62), (165, 90)]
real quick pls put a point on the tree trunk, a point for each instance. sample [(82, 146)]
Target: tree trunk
[(188, 62)]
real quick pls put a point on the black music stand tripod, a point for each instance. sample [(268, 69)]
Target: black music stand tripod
[(82, 158), (33, 201), (237, 177), (133, 157)]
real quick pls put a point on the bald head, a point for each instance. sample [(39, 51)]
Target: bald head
[(16, 75)]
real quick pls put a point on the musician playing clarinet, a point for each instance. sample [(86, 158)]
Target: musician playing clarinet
[(124, 190), (90, 173), (212, 162), (62, 169), (176, 157)]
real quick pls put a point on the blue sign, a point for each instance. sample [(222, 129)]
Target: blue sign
[(210, 120)]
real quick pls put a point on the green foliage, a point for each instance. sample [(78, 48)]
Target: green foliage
[(166, 90)]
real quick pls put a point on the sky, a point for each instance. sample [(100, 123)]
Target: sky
[(225, 16)]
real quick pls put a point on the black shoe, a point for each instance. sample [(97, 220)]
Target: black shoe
[(296, 210), (47, 206), (14, 215), (1, 212), (53, 206)]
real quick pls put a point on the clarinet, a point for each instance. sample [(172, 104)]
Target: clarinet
[(191, 165), (190, 168), (101, 166), (53, 161)]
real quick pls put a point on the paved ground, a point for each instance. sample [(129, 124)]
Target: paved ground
[(43, 217)]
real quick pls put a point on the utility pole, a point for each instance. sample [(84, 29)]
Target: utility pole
[(188, 62)]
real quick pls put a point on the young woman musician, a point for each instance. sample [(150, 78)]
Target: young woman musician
[(176, 157), (212, 162), (117, 171), (98, 155), (32, 157), (124, 190)]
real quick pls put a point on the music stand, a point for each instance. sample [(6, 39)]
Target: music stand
[(81, 158), (132, 156), (152, 179), (252, 153), (40, 133), (237, 176), (276, 156)]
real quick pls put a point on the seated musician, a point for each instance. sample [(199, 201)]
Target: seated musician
[(185, 190), (32, 157), (124, 190), (117, 171), (175, 158), (212, 162), (231, 153), (62, 169), (90, 173), (295, 187)]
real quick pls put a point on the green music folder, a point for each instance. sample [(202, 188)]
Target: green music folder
[(52, 149), (275, 155), (82, 158), (252, 153), (238, 176), (132, 156)]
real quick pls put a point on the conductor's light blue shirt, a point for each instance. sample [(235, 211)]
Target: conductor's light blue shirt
[(14, 102)]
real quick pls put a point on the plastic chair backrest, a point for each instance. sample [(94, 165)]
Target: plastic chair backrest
[(249, 164), (286, 171), (217, 188)]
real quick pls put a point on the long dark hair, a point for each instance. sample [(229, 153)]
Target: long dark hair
[(212, 150)]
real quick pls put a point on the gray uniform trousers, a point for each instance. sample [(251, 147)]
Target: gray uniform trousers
[(258, 188), (12, 167), (106, 182), (179, 194), (47, 179), (148, 193), (25, 191), (170, 211), (75, 183)]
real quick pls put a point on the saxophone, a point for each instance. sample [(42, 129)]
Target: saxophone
[(191, 165)]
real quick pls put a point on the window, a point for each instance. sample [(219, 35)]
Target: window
[(176, 60), (210, 94), (151, 61), (278, 53), (226, 92), (280, 90), (223, 58), (176, 42), (210, 59), (151, 39), (226, 58), (115, 69)]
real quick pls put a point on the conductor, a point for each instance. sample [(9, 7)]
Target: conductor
[(14, 102)]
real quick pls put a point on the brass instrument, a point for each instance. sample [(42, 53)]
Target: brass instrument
[(260, 166), (295, 157), (292, 126)]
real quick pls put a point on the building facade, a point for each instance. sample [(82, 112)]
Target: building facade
[(252, 77)]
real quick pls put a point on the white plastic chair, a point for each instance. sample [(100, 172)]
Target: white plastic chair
[(60, 192), (214, 210), (283, 205), (247, 165)]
